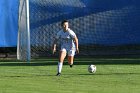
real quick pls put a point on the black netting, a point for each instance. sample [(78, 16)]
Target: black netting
[(104, 27)]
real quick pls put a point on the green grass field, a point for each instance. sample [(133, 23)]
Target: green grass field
[(113, 76)]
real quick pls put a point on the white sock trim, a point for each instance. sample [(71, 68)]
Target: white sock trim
[(71, 63)]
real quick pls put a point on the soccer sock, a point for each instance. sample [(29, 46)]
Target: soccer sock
[(60, 64)]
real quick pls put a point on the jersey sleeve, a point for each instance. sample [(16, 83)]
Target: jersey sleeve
[(72, 34)]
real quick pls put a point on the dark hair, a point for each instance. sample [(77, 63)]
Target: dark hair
[(63, 22)]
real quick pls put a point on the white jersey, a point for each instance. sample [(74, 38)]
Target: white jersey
[(66, 39)]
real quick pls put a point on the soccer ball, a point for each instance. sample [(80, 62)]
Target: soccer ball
[(91, 68)]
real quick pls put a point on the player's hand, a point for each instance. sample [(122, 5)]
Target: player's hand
[(53, 50), (77, 50)]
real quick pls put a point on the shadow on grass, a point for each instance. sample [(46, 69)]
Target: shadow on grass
[(71, 75), (78, 62), (27, 64)]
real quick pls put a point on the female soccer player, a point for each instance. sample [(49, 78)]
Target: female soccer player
[(69, 45)]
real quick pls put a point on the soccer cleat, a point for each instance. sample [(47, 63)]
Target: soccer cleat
[(71, 66), (58, 74)]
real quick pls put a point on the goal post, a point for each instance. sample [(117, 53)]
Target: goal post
[(23, 43)]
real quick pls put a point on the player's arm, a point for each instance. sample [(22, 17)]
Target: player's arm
[(55, 42), (54, 46), (76, 43)]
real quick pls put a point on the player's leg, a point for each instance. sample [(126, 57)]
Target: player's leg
[(62, 56), (71, 54), (70, 60)]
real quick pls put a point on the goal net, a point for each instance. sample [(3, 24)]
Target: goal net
[(103, 27)]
